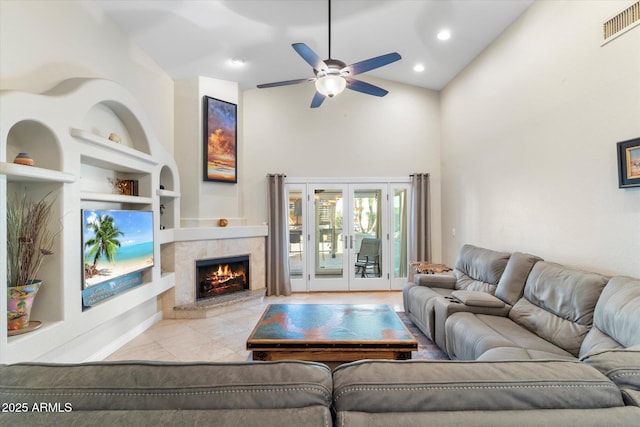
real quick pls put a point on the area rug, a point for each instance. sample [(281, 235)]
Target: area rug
[(427, 349)]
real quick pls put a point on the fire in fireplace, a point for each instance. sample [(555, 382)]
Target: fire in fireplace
[(221, 276)]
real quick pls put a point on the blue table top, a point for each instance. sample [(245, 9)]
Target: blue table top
[(330, 323)]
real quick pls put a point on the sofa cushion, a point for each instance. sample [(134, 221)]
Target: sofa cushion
[(415, 386), (558, 304), (165, 385), (616, 321), (519, 353), (511, 284), (479, 269), (469, 336)]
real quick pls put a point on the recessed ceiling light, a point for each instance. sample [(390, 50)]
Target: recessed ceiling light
[(238, 61), (444, 35), (418, 68)]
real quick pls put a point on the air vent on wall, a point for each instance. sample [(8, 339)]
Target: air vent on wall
[(622, 22)]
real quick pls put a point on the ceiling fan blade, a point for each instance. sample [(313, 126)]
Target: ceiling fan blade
[(372, 63), (286, 82), (317, 100), (368, 88), (310, 56)]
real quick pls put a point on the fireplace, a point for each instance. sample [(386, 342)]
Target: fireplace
[(221, 276)]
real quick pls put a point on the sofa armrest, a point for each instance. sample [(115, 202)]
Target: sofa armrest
[(478, 299), (446, 281), (622, 366), (448, 305)]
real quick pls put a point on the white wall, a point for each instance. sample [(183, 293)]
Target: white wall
[(45, 42), (352, 135), (529, 141), (204, 202)]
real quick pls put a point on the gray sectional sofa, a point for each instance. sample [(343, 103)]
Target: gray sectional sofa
[(603, 391), (499, 306), (545, 345)]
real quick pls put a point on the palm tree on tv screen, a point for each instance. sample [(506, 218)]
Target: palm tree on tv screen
[(104, 243)]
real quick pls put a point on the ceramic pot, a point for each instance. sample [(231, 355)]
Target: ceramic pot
[(19, 303), (23, 159)]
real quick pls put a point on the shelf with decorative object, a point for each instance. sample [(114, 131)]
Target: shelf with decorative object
[(107, 144), (22, 173)]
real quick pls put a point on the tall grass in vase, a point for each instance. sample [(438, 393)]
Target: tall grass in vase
[(29, 241)]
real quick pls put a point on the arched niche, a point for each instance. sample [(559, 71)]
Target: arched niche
[(167, 179), (38, 140), (108, 117)]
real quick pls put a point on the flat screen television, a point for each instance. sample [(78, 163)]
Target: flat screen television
[(115, 244)]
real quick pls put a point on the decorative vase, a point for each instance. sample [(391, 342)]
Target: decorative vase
[(19, 303)]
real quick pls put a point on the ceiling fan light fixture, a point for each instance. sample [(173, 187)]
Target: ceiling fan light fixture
[(330, 85)]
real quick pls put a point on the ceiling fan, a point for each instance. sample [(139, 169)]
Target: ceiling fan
[(332, 76)]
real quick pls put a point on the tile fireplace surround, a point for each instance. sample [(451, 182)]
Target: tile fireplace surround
[(192, 244)]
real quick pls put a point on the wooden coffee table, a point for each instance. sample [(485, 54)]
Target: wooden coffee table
[(330, 333)]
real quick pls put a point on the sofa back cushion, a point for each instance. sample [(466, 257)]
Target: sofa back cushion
[(511, 284), (479, 269), (616, 320), (558, 304), (166, 385), (420, 386)]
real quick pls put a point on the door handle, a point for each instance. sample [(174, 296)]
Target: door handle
[(351, 242), (345, 241)]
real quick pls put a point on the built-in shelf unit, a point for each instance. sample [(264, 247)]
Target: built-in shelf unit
[(66, 131)]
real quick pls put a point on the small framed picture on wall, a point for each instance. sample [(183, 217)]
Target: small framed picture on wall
[(629, 163), (220, 145)]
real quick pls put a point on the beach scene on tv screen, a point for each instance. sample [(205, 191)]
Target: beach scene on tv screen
[(115, 243)]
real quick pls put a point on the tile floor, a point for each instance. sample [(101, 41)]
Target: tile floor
[(223, 337)]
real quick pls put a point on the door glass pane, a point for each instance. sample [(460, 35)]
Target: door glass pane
[(367, 227), (400, 219), (296, 240), (329, 235)]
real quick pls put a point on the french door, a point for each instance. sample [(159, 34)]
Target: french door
[(347, 236)]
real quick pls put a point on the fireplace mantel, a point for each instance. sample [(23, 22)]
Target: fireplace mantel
[(216, 233)]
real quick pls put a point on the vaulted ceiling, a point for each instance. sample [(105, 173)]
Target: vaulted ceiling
[(249, 41)]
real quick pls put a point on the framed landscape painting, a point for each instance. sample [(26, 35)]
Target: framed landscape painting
[(629, 163), (220, 124)]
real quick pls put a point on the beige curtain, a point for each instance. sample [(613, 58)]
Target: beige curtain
[(278, 280), (420, 225), (404, 233)]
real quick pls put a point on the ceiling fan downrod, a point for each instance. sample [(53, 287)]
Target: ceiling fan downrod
[(329, 1)]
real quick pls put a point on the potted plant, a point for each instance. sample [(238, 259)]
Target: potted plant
[(29, 241)]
